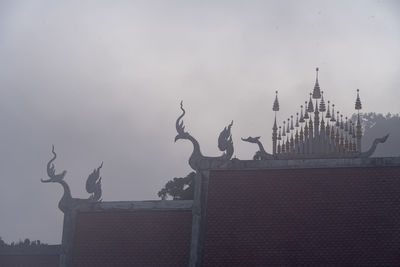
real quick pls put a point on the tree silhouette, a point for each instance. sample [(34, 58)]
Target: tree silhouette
[(22, 244), (377, 125), (179, 188)]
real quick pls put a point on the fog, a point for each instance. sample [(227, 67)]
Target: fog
[(102, 81)]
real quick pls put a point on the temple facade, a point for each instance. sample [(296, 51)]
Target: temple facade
[(317, 199)]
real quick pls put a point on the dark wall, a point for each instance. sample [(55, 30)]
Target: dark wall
[(29, 260), (136, 238), (330, 216), (36, 256)]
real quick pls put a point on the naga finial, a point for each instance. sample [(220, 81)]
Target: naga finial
[(93, 185), (196, 160), (180, 128), (51, 171)]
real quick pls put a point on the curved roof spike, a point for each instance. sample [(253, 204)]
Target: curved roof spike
[(297, 120)]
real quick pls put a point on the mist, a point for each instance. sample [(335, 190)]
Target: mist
[(102, 81)]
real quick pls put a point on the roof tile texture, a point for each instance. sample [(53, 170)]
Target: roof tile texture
[(136, 238), (327, 216), (29, 260)]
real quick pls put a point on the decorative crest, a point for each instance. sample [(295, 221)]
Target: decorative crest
[(93, 185), (197, 161)]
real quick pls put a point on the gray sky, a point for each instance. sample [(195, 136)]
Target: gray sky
[(102, 81)]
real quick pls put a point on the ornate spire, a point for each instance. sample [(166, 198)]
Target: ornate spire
[(341, 149), (351, 128), (288, 144), (279, 135), (333, 113), (306, 131), (291, 142), (283, 129), (358, 101), (322, 125), (301, 115), (327, 129), (301, 133), (316, 92), (276, 102), (322, 106), (327, 133), (337, 121), (306, 112), (328, 113), (358, 127), (310, 105), (287, 128), (337, 138), (341, 122), (274, 128), (291, 123)]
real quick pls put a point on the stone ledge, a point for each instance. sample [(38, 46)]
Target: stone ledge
[(159, 205), (310, 163), (42, 250)]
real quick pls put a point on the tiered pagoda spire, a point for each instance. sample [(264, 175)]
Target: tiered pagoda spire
[(321, 133)]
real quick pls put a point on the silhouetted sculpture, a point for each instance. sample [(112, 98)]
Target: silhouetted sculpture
[(67, 202), (197, 161)]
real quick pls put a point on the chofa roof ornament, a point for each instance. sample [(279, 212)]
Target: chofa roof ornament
[(197, 161), (67, 202), (317, 138)]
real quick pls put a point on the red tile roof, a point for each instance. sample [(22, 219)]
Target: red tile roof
[(135, 238), (327, 216)]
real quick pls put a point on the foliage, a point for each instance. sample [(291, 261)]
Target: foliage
[(179, 188), (377, 125), (22, 244)]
